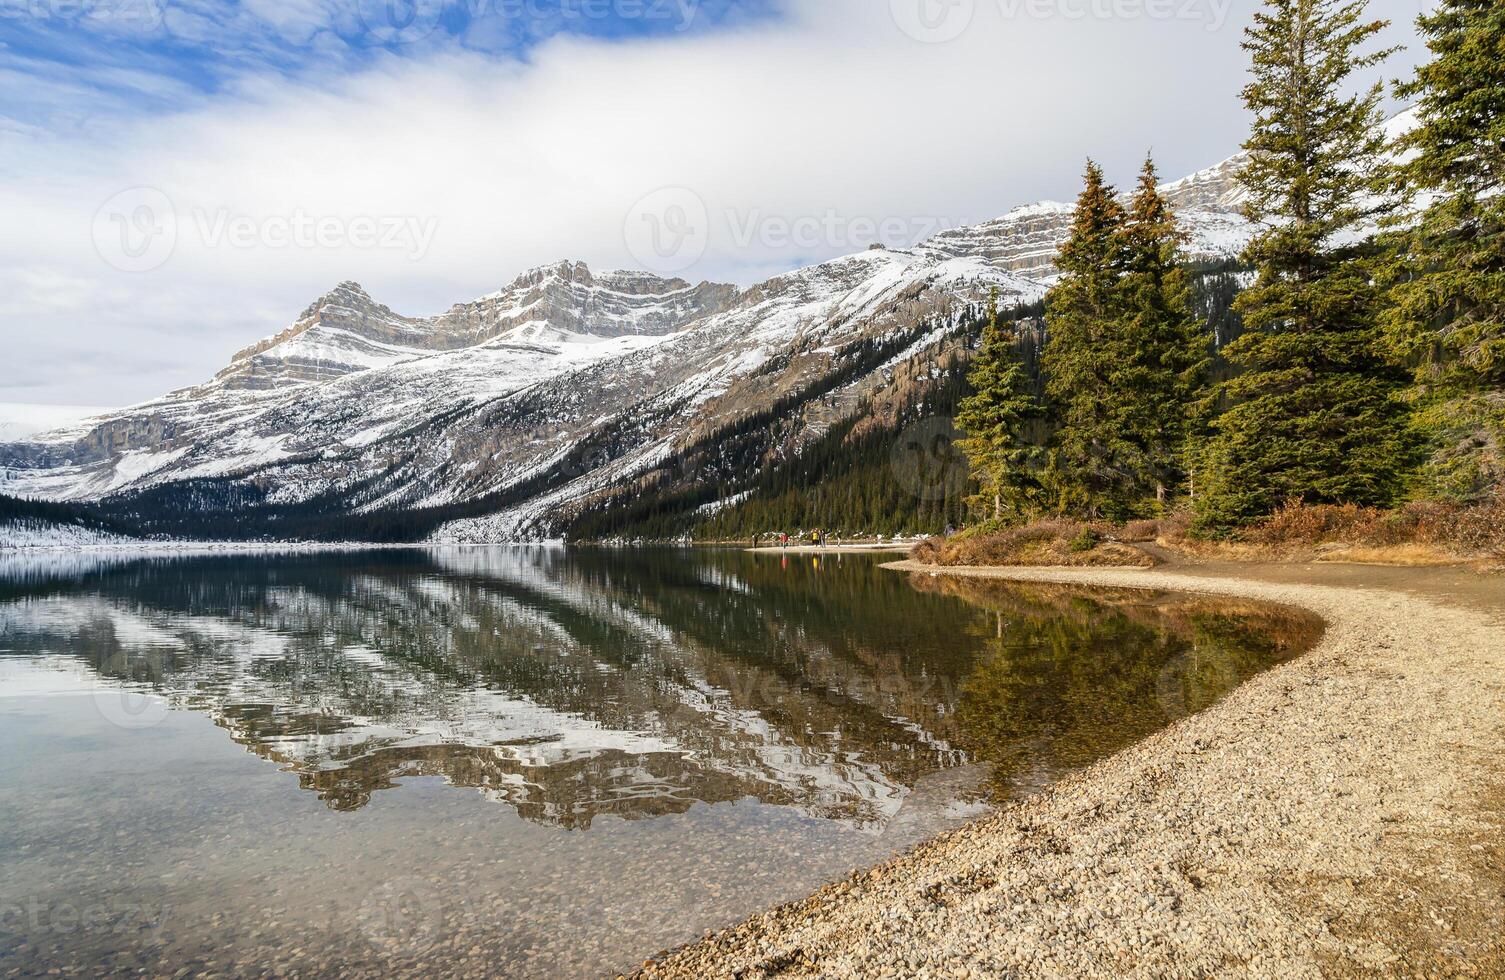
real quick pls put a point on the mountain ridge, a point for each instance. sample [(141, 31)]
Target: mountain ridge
[(533, 401)]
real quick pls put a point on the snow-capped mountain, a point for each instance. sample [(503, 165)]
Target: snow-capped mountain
[(530, 709), (345, 331), (504, 415)]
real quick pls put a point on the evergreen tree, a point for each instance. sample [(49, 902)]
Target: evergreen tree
[(1163, 348), (1314, 414), (1087, 472), (1448, 309), (996, 420)]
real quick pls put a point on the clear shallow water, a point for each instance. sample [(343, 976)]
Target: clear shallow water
[(529, 762)]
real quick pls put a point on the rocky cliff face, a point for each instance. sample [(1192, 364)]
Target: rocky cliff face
[(346, 331), (1026, 239), (342, 332), (566, 297), (526, 404)]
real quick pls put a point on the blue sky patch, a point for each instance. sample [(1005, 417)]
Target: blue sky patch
[(67, 64)]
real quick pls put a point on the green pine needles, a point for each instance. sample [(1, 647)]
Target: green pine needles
[(1123, 363), (1315, 414), (998, 420), (1371, 367), (1446, 308)]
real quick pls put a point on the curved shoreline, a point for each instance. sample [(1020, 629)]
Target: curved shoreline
[(1339, 814)]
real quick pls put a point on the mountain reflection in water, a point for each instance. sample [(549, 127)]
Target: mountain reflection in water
[(570, 685)]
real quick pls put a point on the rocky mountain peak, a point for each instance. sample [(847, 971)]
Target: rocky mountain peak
[(344, 330), (346, 295), (566, 297), (564, 270)]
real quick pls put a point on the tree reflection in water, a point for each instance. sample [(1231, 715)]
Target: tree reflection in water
[(572, 685), (1068, 675)]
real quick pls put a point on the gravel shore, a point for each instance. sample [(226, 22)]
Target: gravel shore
[(1340, 815)]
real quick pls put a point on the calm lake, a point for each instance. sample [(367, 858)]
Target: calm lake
[(529, 762)]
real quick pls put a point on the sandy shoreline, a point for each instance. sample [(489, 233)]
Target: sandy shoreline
[(1339, 815), (833, 549)]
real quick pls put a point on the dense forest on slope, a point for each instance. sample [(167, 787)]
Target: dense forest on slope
[(890, 468), (1360, 362), (18, 513)]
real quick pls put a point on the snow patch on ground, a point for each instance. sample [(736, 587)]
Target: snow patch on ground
[(32, 533)]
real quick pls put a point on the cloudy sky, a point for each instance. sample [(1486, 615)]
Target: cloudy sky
[(181, 177)]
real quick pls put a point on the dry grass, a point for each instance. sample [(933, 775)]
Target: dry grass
[(1061, 543), (1418, 534), (1423, 533)]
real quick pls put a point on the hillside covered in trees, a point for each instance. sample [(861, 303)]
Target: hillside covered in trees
[(1355, 357)]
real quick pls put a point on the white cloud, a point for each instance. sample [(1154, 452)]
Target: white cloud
[(831, 113)]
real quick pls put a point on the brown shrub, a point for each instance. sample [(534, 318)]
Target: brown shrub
[(1176, 528), (928, 551), (1049, 542), (1469, 531), (1419, 533)]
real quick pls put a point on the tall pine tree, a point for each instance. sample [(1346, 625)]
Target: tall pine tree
[(1089, 470), (997, 420), (1314, 415), (1164, 348), (1448, 310), (1124, 354)]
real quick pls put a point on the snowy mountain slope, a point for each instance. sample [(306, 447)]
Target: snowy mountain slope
[(510, 412), (340, 333), (674, 714), (346, 331), (1026, 239)]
